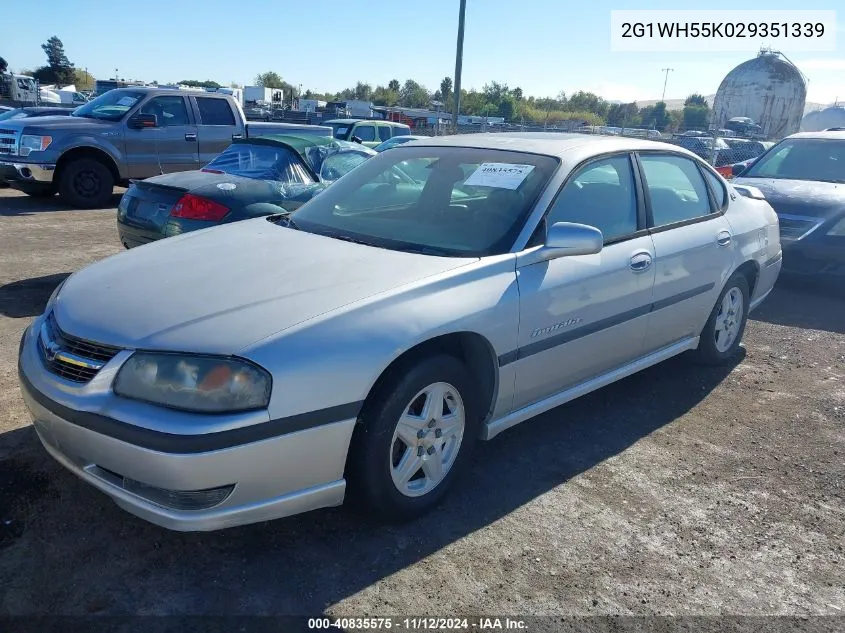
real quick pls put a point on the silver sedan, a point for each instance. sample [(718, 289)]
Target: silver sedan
[(437, 295)]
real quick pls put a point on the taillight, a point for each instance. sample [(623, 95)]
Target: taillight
[(193, 207)]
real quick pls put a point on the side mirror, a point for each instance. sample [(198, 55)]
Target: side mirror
[(141, 121), (738, 168), (567, 238), (357, 139)]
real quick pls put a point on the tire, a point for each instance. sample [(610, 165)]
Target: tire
[(719, 343), (86, 184), (377, 451)]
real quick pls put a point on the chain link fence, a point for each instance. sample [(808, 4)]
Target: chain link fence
[(719, 148)]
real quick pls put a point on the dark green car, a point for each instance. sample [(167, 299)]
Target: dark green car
[(251, 178)]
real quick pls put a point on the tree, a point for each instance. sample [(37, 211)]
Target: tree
[(363, 92), (59, 70), (655, 116), (623, 115), (194, 83), (3, 65), (83, 80), (517, 93), (385, 96), (507, 107), (393, 85), (696, 113), (413, 95), (269, 79), (445, 89)]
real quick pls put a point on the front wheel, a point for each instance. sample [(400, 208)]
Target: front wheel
[(86, 184), (415, 438), (723, 332)]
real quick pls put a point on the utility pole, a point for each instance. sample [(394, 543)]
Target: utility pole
[(665, 81), (459, 59)]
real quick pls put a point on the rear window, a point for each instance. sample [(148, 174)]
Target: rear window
[(215, 111), (261, 162)]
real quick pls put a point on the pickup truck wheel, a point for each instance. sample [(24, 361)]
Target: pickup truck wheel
[(416, 435), (86, 184), (723, 332)]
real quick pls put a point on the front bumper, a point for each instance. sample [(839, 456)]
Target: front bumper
[(14, 172), (269, 478)]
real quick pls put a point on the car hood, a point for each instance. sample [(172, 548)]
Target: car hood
[(219, 290), (58, 122), (800, 197)]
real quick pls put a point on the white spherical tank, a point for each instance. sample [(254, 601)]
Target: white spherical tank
[(824, 119), (767, 89)]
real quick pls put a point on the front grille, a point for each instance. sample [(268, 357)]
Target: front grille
[(84, 350), (795, 227), (8, 142)]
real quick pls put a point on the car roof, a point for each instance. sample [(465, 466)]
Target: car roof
[(555, 144), (820, 135), (344, 120)]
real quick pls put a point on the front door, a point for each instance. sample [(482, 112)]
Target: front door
[(693, 246), (167, 148), (584, 315)]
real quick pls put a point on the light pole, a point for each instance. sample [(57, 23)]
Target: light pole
[(665, 81), (459, 58)]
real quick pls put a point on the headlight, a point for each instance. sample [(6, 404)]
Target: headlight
[(30, 143), (206, 384)]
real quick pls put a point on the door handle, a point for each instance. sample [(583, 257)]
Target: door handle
[(723, 238), (641, 262), (190, 137), (237, 136)]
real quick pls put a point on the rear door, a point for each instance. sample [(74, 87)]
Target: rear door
[(218, 126), (167, 148), (384, 132), (693, 245)]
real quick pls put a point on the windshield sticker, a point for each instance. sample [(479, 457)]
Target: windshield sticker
[(127, 101), (227, 186), (499, 175)]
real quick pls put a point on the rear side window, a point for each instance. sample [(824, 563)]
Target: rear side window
[(719, 192), (675, 187), (365, 132), (215, 111), (383, 132), (401, 131)]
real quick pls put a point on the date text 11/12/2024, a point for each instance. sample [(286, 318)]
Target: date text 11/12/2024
[(418, 624)]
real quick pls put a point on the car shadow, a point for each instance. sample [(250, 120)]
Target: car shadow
[(789, 302), (28, 297), (306, 563), (21, 204)]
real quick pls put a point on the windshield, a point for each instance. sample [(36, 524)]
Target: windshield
[(111, 106), (12, 114), (341, 130), (261, 162), (802, 159), (450, 201)]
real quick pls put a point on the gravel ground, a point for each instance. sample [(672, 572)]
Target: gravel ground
[(677, 491)]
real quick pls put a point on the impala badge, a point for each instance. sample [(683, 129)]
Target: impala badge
[(555, 327)]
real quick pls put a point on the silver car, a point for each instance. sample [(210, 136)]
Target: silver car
[(438, 294)]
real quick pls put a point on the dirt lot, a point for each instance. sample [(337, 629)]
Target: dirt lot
[(678, 491)]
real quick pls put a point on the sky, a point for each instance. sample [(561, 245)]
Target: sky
[(541, 46)]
